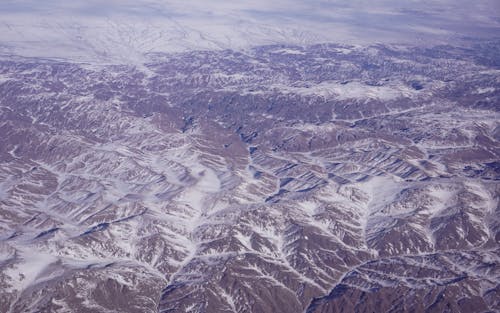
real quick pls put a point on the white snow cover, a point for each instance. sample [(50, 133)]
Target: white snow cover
[(352, 90), (123, 31), (30, 269), (485, 90)]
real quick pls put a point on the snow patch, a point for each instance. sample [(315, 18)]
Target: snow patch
[(289, 51), (481, 91), (352, 90), (208, 183), (32, 265), (309, 207)]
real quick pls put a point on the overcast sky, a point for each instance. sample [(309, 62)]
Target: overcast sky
[(77, 28)]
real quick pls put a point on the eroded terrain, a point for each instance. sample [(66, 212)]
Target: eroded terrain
[(324, 178)]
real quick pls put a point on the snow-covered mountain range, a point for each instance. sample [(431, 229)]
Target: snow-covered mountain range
[(249, 156), (279, 178)]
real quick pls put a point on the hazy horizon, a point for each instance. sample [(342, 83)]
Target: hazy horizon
[(122, 31)]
